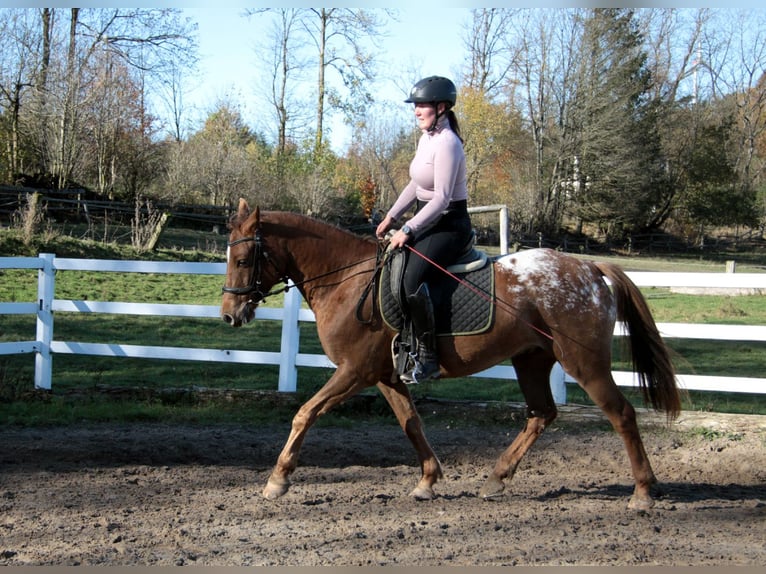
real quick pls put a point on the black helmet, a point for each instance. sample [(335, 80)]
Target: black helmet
[(433, 89)]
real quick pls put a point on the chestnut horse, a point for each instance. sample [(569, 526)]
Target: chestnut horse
[(556, 308)]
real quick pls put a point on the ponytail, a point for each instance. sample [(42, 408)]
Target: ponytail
[(453, 124)]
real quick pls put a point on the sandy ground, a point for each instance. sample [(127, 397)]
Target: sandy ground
[(151, 494)]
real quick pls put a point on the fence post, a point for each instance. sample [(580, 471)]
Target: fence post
[(504, 230), (288, 372), (558, 386), (46, 279)]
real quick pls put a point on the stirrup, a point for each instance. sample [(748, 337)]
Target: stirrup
[(418, 374)]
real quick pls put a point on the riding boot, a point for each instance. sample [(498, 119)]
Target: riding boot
[(423, 325)]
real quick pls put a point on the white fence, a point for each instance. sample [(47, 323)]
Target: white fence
[(289, 359)]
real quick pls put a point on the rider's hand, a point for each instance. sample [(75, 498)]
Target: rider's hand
[(399, 239), (384, 226)]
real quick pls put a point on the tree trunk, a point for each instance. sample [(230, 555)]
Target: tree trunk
[(324, 17), (67, 123)]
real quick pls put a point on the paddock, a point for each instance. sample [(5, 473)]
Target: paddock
[(152, 494)]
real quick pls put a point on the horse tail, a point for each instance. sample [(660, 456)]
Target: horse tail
[(650, 355)]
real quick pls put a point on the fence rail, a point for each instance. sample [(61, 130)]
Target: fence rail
[(289, 359)]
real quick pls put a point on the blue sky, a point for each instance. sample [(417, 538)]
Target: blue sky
[(425, 38)]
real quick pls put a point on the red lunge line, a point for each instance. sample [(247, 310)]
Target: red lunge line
[(480, 292)]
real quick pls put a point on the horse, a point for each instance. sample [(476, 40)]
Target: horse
[(557, 308)]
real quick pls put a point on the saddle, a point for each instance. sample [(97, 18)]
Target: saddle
[(462, 298)]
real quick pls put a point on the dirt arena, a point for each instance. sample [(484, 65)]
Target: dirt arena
[(149, 494)]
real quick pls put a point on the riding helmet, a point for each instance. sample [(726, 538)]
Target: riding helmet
[(433, 89)]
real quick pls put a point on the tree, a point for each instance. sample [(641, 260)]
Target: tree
[(745, 37), (172, 87), (69, 66), (221, 170), (491, 131), (284, 72), (706, 66), (338, 35), (618, 170), (671, 43), (713, 194), (490, 59), (19, 70), (489, 126), (381, 151), (542, 90)]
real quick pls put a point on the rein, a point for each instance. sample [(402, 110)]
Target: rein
[(259, 255), (380, 260)]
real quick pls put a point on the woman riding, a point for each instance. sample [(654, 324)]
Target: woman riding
[(441, 226)]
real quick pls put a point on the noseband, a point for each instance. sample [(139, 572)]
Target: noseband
[(254, 285)]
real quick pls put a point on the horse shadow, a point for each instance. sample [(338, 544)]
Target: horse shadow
[(669, 492)]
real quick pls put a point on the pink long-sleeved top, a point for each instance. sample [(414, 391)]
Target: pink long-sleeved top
[(437, 176)]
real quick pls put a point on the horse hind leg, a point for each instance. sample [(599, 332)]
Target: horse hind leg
[(533, 374), (607, 396)]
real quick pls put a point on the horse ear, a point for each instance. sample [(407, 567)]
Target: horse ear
[(253, 221), (244, 209)]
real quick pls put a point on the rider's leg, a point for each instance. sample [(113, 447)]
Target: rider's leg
[(423, 323)]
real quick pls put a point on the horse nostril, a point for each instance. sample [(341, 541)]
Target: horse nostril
[(227, 318)]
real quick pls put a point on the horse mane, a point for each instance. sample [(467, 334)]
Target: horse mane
[(304, 223)]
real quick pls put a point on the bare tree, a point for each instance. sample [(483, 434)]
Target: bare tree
[(144, 39), (338, 35), (671, 40), (544, 44), (489, 56), (173, 84), (19, 71), (738, 70), (285, 70)]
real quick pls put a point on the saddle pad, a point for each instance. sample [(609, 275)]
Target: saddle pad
[(462, 307)]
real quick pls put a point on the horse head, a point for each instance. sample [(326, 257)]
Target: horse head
[(250, 271)]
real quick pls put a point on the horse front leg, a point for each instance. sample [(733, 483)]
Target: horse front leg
[(398, 396), (337, 389)]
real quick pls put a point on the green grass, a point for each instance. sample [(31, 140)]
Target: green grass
[(669, 307), (83, 386)]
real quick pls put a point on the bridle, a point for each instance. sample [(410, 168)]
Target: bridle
[(254, 285), (260, 254)]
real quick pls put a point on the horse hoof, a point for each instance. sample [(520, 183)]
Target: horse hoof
[(493, 488), (422, 493), (640, 502), (275, 489)]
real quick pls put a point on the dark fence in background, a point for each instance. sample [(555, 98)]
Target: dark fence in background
[(656, 243), (83, 206)]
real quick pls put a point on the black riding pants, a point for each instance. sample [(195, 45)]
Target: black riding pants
[(441, 243)]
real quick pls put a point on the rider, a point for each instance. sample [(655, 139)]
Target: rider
[(441, 226)]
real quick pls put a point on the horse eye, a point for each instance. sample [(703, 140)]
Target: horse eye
[(242, 263)]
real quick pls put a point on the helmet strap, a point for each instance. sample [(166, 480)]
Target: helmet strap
[(436, 117)]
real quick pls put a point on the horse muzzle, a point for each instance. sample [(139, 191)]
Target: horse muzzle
[(240, 315)]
